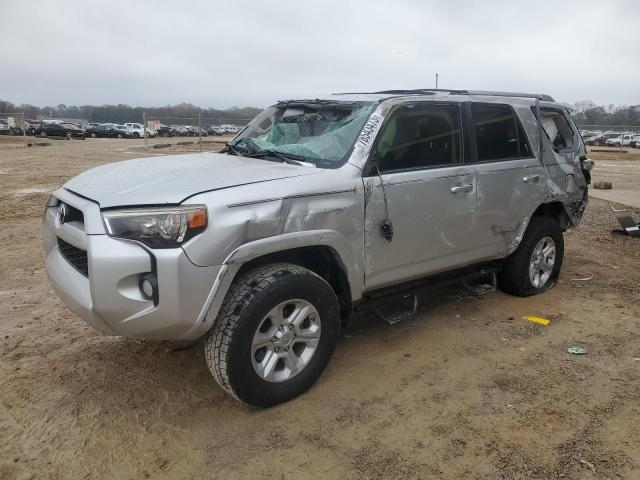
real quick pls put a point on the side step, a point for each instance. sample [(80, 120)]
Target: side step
[(403, 302), (396, 308), (485, 283)]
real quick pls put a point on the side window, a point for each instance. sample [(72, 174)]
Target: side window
[(420, 136), (557, 129), (499, 135)]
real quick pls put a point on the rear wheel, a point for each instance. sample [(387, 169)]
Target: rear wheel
[(535, 266), (274, 335)]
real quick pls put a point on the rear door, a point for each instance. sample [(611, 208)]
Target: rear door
[(511, 181)]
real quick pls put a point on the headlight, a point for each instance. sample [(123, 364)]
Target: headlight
[(157, 227)]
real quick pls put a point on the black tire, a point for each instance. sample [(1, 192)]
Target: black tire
[(250, 298), (514, 277), (136, 135)]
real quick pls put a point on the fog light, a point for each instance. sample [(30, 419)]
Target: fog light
[(149, 287)]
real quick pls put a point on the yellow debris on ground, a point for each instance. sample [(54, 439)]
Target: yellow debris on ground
[(541, 321)]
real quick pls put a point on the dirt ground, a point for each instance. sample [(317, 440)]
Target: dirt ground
[(466, 390)]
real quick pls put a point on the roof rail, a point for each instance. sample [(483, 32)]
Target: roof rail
[(421, 91), (433, 91), (539, 96)]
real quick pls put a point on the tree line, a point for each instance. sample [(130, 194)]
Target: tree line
[(586, 113), (183, 113)]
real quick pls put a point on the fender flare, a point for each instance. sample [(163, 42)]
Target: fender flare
[(522, 227), (264, 246)]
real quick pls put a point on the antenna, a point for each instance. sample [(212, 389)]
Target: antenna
[(387, 225), (436, 81)]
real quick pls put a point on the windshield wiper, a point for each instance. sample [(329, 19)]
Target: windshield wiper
[(290, 158), (232, 149)]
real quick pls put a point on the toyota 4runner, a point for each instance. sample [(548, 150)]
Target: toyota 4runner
[(316, 207)]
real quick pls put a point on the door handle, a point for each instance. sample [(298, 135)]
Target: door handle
[(462, 188), (531, 179)]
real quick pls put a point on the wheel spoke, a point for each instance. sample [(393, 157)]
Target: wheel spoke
[(308, 334), (268, 365), (261, 340), (532, 270), (291, 362), (299, 315)]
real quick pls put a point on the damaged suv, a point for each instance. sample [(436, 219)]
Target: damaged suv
[(315, 208)]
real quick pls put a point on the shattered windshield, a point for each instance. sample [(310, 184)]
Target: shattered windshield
[(321, 133)]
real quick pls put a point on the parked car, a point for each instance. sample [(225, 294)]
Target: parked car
[(635, 141), (620, 140), (180, 130), (137, 130), (122, 131), (317, 207), (96, 130), (193, 131), (589, 137), (601, 140), (36, 128), (9, 129), (628, 138), (29, 127), (68, 130), (231, 129), (213, 130), (109, 130), (165, 131)]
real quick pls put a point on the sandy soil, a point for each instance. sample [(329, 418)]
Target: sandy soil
[(623, 171), (467, 389)]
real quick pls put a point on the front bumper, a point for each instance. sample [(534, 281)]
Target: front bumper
[(109, 296)]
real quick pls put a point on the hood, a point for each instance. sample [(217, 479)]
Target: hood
[(173, 178)]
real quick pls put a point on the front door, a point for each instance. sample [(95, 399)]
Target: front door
[(416, 182)]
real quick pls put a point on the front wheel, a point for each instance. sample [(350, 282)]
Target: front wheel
[(535, 265), (274, 335)]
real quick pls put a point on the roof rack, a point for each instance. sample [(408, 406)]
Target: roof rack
[(433, 91), (539, 96)]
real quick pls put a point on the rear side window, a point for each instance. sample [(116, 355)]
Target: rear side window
[(420, 136), (499, 135), (557, 129)]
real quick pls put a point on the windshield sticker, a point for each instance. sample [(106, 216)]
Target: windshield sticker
[(369, 131)]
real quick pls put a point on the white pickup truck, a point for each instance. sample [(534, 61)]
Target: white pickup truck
[(137, 130)]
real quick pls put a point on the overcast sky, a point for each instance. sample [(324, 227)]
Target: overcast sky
[(224, 53)]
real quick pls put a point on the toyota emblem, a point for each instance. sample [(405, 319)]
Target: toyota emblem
[(62, 213)]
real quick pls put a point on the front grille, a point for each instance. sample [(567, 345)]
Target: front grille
[(75, 256)]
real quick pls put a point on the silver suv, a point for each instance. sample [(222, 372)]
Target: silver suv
[(315, 208)]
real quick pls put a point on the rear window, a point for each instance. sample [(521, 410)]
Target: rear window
[(499, 135)]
